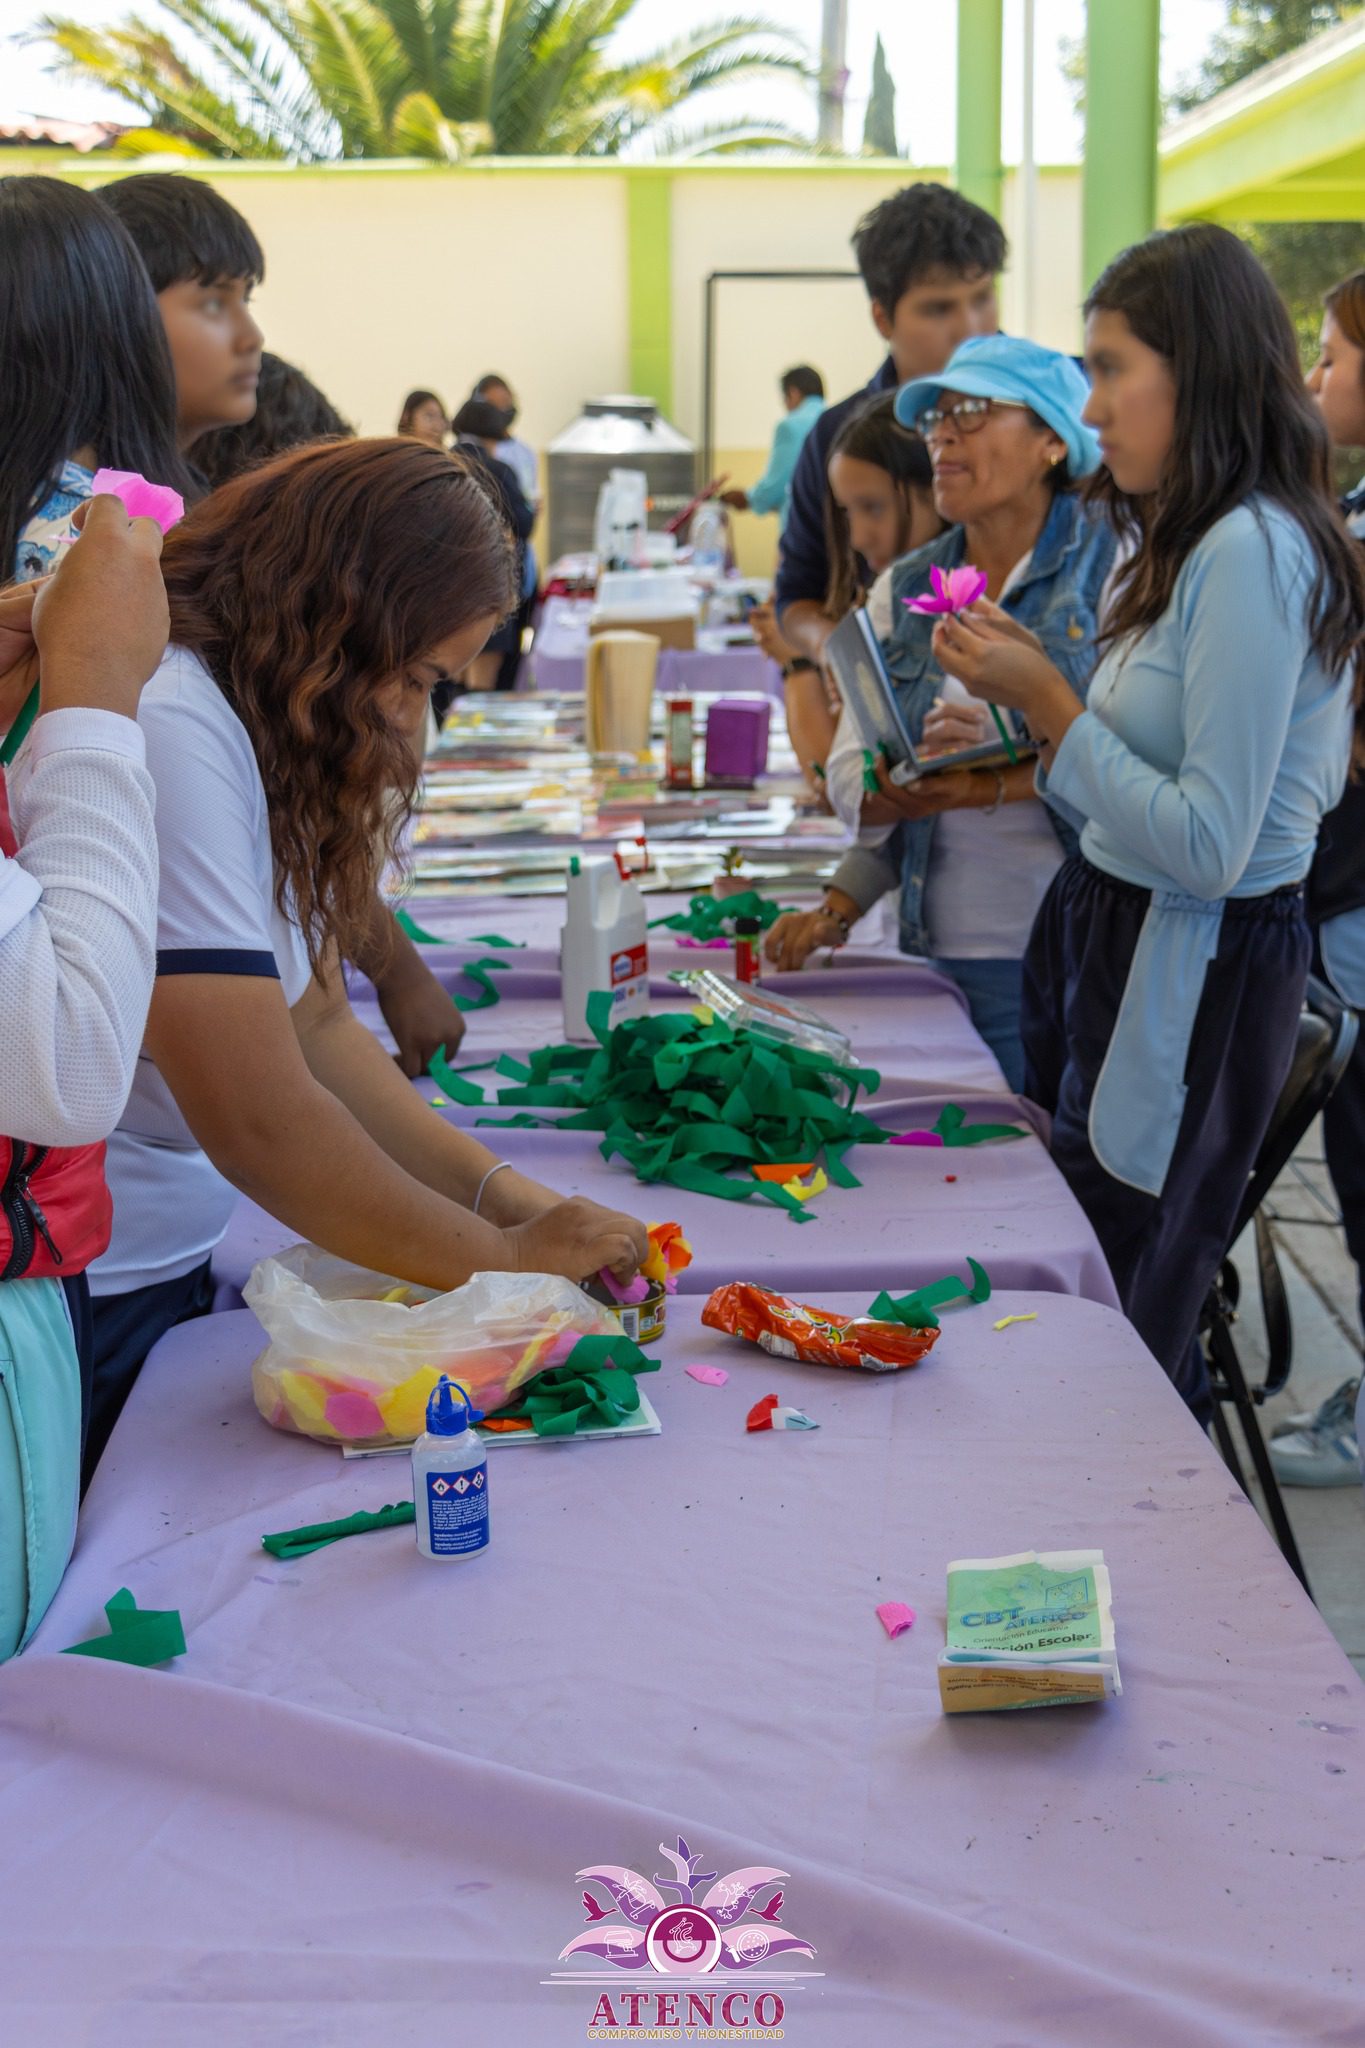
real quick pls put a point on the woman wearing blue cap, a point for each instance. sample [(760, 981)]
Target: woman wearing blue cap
[(1163, 981), (974, 851)]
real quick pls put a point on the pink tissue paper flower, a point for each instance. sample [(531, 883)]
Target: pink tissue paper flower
[(141, 499), (953, 592)]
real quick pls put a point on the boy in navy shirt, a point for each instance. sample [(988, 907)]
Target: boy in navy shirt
[(929, 259)]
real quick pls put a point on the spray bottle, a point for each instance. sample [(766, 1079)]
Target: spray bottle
[(450, 1477)]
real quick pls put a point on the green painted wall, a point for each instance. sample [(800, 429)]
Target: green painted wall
[(1123, 48), (980, 54), (649, 258)]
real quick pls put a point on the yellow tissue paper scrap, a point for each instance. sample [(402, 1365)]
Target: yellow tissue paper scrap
[(802, 1191), (405, 1409), (1005, 1321)]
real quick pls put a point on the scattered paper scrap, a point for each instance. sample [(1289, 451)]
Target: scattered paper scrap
[(1005, 1321), (780, 1175), (914, 1138), (804, 1190), (137, 1635), (709, 1375), (895, 1617), (770, 1413)]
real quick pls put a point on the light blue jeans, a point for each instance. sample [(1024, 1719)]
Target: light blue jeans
[(994, 990)]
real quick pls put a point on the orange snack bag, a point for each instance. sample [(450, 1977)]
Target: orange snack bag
[(790, 1329)]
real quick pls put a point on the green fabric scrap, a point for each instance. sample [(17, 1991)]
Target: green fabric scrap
[(287, 1543), (419, 937), (711, 917), (953, 1128), (137, 1635), (916, 1310), (685, 1102), (452, 1080), (595, 1388), (478, 972)]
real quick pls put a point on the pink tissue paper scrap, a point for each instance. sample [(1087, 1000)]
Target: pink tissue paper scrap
[(709, 1375), (141, 499), (952, 593), (915, 1138), (895, 1617), (634, 1290)]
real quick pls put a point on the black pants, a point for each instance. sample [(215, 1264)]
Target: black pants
[(1164, 1250), (126, 1328), (1343, 1131)]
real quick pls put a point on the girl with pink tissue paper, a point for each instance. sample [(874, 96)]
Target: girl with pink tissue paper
[(78, 887), (85, 372)]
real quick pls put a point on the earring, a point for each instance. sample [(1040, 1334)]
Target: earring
[(1053, 461)]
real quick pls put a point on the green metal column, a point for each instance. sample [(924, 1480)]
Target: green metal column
[(980, 55), (1122, 56), (649, 277)]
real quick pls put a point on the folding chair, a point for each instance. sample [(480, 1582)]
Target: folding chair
[(1326, 1040)]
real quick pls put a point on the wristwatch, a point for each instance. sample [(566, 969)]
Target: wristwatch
[(800, 665)]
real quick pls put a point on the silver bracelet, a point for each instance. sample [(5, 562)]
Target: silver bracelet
[(989, 810), (487, 1177)]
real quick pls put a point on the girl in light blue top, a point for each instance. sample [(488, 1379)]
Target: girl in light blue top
[(1165, 974)]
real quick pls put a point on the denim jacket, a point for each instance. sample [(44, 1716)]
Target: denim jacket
[(1057, 598)]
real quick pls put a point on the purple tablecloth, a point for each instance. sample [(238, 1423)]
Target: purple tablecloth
[(354, 1811), (559, 649), (536, 922)]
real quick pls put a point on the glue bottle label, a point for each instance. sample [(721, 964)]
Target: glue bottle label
[(457, 1510), (630, 964)]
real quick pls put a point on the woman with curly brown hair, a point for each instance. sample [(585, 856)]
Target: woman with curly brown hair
[(314, 604)]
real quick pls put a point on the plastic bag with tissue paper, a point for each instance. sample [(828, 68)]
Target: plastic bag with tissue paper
[(354, 1355)]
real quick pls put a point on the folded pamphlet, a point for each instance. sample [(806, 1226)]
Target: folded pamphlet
[(1033, 1630)]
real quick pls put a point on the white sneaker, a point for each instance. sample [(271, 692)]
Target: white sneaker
[(1322, 1449)]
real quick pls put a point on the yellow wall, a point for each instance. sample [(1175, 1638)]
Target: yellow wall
[(381, 277)]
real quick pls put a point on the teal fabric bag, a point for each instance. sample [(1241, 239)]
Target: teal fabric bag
[(40, 1453)]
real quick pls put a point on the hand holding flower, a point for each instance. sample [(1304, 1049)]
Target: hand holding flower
[(952, 593), (1005, 670)]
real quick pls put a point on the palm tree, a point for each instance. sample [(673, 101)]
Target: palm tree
[(319, 79)]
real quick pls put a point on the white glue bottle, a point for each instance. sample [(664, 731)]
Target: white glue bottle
[(604, 945), (450, 1477)]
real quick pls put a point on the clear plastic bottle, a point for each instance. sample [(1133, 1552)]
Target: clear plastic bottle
[(450, 1477)]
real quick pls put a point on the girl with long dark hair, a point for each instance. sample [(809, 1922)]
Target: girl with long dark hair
[(1165, 974), (879, 504), (85, 372), (314, 604)]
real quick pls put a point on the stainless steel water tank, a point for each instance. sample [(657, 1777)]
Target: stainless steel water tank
[(614, 433)]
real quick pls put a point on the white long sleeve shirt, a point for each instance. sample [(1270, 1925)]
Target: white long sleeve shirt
[(77, 926)]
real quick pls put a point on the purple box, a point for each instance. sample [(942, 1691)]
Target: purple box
[(737, 741)]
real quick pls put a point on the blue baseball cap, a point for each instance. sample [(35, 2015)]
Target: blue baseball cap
[(1006, 366)]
